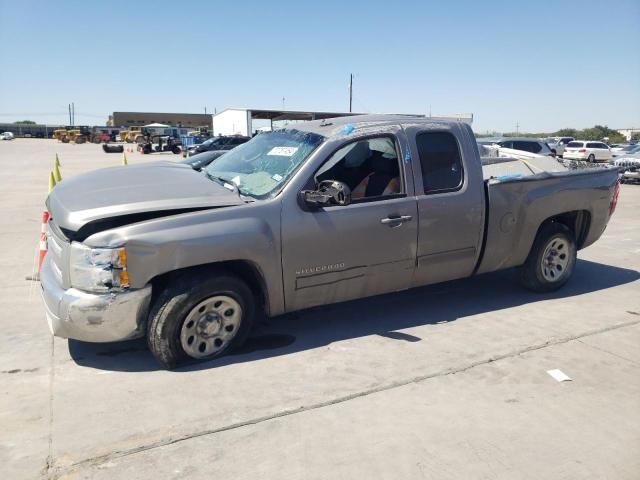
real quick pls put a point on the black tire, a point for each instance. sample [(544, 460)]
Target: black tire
[(179, 298), (175, 150), (534, 274), (591, 158), (112, 148)]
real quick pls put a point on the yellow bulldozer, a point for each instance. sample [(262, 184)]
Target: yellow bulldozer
[(132, 135), (58, 133), (80, 135), (73, 134)]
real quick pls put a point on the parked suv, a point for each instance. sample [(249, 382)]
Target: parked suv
[(589, 151), (527, 145)]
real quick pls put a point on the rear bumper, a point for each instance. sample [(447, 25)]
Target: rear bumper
[(574, 156), (92, 317)]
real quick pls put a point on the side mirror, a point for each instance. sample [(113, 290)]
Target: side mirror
[(327, 193)]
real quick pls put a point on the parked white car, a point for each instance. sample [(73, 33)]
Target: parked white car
[(6, 136), (627, 150), (587, 150)]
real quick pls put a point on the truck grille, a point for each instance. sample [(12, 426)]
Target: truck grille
[(58, 251)]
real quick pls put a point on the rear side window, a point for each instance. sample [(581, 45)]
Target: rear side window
[(575, 144), (594, 145), (533, 147), (440, 161)]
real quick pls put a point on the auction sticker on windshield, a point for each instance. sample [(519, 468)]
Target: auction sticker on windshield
[(283, 151)]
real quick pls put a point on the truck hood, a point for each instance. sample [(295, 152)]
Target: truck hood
[(117, 196)]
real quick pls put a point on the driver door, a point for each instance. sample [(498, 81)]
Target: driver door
[(337, 253)]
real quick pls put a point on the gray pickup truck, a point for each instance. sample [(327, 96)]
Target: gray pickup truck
[(320, 212)]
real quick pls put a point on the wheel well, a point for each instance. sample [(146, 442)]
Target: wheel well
[(245, 270), (578, 221)]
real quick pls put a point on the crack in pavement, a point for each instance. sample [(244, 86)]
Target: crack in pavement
[(56, 472)]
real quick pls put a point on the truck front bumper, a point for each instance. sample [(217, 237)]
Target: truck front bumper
[(93, 317)]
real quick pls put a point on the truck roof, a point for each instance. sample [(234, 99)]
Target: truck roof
[(330, 127)]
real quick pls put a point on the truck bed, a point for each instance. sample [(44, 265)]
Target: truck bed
[(519, 201), (506, 167)]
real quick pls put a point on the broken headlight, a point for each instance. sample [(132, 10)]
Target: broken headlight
[(98, 269)]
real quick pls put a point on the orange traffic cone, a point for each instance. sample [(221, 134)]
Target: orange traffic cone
[(43, 247), (43, 239)]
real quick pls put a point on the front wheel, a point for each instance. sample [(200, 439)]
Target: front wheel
[(551, 260), (592, 158), (201, 316)]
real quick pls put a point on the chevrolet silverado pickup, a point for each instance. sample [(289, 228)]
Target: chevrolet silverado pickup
[(321, 212)]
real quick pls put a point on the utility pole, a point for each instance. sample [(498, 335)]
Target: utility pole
[(350, 91), (69, 114), (73, 114), (282, 103), (205, 109), (517, 127)]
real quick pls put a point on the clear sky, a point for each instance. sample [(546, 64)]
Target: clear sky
[(544, 64)]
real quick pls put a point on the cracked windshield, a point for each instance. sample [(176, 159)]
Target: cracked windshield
[(260, 166)]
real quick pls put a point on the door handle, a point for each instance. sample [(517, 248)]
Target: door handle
[(396, 220)]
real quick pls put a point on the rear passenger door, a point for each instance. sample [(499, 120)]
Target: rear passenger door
[(450, 194)]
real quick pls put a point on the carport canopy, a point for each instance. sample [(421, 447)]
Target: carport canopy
[(280, 115)]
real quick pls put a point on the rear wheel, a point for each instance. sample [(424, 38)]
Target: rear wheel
[(592, 158), (551, 260), (201, 316)]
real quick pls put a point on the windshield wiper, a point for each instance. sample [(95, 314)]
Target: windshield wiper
[(226, 183), (221, 180)]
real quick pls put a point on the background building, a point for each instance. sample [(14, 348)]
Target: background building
[(29, 129), (629, 132), (135, 119), (245, 121)]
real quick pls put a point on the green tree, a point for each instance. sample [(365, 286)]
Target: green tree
[(566, 132), (25, 122), (600, 132)]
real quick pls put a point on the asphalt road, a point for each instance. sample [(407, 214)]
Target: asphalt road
[(443, 382)]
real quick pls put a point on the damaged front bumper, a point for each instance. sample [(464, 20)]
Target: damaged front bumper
[(90, 317)]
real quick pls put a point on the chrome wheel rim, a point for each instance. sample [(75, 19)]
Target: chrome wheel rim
[(555, 259), (210, 326)]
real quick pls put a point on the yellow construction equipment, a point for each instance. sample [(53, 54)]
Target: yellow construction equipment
[(77, 135), (59, 133), (133, 134)]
